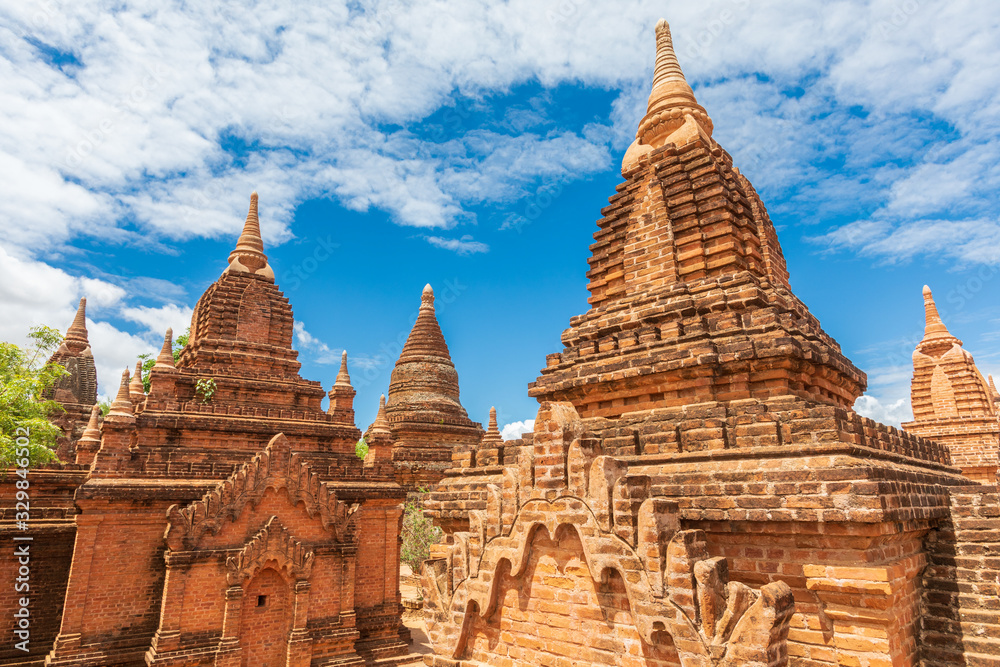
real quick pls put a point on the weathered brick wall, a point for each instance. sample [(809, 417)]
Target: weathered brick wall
[(265, 623), (960, 619), (51, 549)]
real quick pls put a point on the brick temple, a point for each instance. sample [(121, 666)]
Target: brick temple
[(226, 529), (952, 403), (697, 490)]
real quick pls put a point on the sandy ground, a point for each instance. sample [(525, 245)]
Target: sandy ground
[(409, 588)]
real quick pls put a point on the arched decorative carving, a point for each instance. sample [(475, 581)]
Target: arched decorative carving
[(272, 542), (274, 468)]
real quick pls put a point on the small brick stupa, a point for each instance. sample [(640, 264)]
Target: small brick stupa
[(952, 403), (696, 470), (425, 415), (77, 390), (223, 518)]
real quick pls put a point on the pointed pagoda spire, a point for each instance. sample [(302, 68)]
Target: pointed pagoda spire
[(136, 390), (343, 377), (934, 328), (381, 423), (248, 256), (673, 115), (93, 430), (492, 437), (165, 359), (426, 338), (90, 441), (342, 396), (122, 405), (77, 332)]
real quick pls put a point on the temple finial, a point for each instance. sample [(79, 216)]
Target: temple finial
[(673, 115), (122, 405), (248, 256), (165, 359), (667, 66), (427, 297), (343, 377), (381, 423), (136, 389), (493, 420), (933, 326), (77, 332), (93, 430)]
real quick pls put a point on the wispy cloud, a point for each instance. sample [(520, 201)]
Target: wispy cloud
[(463, 246)]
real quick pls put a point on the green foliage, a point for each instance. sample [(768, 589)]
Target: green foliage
[(147, 365), (205, 388), (148, 360), (361, 449), (25, 379), (105, 407), (419, 533)]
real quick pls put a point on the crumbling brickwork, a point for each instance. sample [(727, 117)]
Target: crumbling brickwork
[(697, 480), (220, 527), (952, 403)]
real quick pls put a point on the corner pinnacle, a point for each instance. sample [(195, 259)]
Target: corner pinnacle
[(165, 359), (343, 377), (122, 405), (427, 297)]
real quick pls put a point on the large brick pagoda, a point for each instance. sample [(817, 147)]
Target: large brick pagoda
[(228, 523), (697, 487), (952, 403)]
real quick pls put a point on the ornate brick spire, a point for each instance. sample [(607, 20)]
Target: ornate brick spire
[(952, 403), (935, 332), (424, 412), (342, 396), (248, 256), (121, 407), (424, 379), (492, 437), (90, 441), (689, 291), (673, 115), (381, 423), (136, 390), (165, 359), (76, 335)]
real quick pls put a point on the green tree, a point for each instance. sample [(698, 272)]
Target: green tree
[(148, 360), (361, 448), (26, 377), (419, 532)]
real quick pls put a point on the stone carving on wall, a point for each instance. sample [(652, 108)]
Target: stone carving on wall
[(672, 584)]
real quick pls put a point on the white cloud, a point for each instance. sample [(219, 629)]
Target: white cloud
[(463, 246), (157, 320), (42, 295), (892, 413), (515, 430)]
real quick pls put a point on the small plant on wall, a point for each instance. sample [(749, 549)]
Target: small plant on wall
[(205, 388)]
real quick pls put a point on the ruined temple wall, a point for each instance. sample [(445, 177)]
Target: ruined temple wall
[(857, 588), (53, 531), (556, 609), (973, 443), (960, 606)]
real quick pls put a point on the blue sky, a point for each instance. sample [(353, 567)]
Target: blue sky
[(472, 145)]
